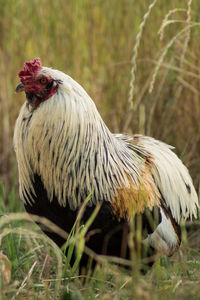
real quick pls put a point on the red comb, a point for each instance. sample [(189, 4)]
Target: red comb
[(30, 69)]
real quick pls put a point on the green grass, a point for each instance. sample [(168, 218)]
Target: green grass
[(41, 271), (106, 46)]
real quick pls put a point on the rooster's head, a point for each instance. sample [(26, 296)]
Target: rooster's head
[(37, 84)]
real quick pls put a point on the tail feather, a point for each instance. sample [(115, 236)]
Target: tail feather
[(172, 178)]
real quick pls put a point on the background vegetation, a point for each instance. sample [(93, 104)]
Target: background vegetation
[(93, 41)]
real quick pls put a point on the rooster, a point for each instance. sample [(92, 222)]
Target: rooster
[(65, 152)]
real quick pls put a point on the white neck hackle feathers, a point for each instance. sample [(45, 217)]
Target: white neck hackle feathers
[(66, 142)]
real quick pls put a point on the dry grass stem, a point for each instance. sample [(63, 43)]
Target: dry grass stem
[(187, 38), (167, 22), (164, 52), (174, 68), (24, 282), (135, 54)]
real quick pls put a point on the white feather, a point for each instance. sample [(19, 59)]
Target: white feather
[(172, 178), (164, 239)]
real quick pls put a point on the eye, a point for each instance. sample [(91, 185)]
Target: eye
[(43, 80)]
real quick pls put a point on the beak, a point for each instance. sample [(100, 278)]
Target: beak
[(20, 88)]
